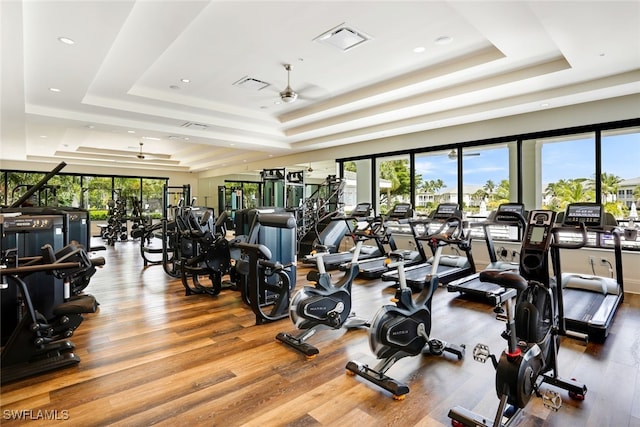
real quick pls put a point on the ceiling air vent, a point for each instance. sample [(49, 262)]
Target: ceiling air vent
[(343, 38), (251, 83), (192, 125)]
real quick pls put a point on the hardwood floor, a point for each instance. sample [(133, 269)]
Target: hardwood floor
[(152, 356)]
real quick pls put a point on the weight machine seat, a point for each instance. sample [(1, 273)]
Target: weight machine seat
[(76, 305)]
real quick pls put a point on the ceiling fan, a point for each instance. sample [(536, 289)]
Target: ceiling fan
[(140, 154), (288, 95), (453, 154)]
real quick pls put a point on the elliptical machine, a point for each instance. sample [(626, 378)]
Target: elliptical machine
[(326, 305), (402, 330), (530, 301)]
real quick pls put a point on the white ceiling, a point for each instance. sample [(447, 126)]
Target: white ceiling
[(120, 83)]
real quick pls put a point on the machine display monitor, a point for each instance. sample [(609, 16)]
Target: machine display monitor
[(589, 214), (537, 235), (512, 207), (361, 209), (401, 210), (446, 210)]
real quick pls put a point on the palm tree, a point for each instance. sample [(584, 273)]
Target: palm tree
[(609, 186), (489, 187)]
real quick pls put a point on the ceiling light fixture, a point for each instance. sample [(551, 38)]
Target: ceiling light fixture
[(442, 40), (66, 40), (185, 80), (288, 95), (419, 49), (54, 89)]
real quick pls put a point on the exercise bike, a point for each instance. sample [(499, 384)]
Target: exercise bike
[(325, 305), (528, 302), (402, 330)]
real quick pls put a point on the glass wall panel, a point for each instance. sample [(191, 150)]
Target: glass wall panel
[(64, 190), (620, 177), (436, 180), (567, 170), (127, 190), (152, 194), (3, 189), (486, 179), (18, 183), (97, 193), (394, 182)]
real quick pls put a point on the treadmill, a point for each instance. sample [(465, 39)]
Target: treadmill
[(588, 302), (444, 228), (360, 217), (373, 268), (507, 216)]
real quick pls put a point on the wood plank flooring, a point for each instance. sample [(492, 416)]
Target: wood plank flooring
[(152, 356)]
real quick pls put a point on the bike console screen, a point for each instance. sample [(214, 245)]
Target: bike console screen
[(538, 230), (502, 215), (446, 210), (535, 245), (589, 214)]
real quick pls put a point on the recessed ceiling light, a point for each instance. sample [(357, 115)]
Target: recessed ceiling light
[(419, 49), (90, 126), (185, 80), (43, 136), (544, 104), (131, 131), (66, 40), (442, 40), (54, 89), (151, 138)]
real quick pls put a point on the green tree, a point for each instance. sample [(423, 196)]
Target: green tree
[(397, 173), (489, 188), (433, 186), (567, 191), (609, 185), (350, 166)]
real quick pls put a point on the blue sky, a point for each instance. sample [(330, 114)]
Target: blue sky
[(561, 160)]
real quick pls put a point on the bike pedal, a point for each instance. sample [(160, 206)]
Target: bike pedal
[(481, 353), (552, 400)]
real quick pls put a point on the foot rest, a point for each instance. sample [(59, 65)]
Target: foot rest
[(481, 353), (551, 399), (77, 305)]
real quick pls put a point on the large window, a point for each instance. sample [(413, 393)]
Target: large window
[(436, 180), (3, 189), (486, 178), (394, 182), (568, 170), (97, 193), (358, 177), (152, 194), (620, 177)]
